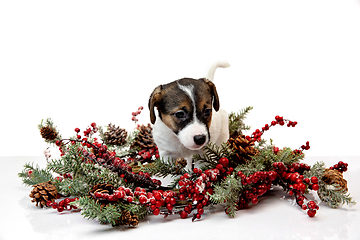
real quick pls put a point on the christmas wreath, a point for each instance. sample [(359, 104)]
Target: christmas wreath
[(108, 174)]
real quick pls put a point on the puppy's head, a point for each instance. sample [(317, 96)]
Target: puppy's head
[(185, 106)]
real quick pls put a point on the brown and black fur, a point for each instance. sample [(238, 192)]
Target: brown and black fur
[(169, 99)]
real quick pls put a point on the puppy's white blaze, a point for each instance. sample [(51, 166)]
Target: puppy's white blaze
[(187, 134), (189, 90)]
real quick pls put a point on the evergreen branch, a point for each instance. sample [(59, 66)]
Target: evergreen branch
[(91, 209), (110, 213), (212, 153), (316, 170), (227, 192), (35, 176), (334, 196), (73, 187), (140, 210), (236, 123), (250, 168), (162, 168)]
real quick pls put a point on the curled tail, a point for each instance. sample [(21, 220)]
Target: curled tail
[(211, 72)]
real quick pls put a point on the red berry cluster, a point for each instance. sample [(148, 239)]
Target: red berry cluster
[(64, 176), (158, 199), (134, 114), (291, 178), (306, 147), (63, 204), (96, 152), (154, 200), (340, 166), (259, 183), (89, 130), (311, 206), (256, 135), (122, 193), (196, 187), (146, 155)]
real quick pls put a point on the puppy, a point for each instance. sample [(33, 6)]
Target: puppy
[(188, 116)]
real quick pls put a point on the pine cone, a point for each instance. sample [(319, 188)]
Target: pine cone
[(115, 135), (180, 163), (43, 192), (48, 133), (244, 149), (128, 218), (144, 139), (334, 176)]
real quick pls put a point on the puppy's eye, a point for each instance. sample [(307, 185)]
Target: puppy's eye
[(207, 112), (181, 114)]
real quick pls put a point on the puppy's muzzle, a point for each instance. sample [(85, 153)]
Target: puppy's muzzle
[(200, 139)]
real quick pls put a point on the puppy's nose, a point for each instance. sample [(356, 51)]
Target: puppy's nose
[(200, 139)]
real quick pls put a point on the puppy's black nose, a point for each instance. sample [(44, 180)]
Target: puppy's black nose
[(199, 139)]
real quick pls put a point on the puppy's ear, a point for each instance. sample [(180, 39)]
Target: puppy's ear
[(154, 101), (216, 102)]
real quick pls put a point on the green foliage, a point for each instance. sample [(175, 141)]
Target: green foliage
[(37, 176), (73, 187), (267, 157), (85, 175), (163, 168), (212, 154), (236, 123), (69, 163), (91, 209), (332, 194), (228, 192)]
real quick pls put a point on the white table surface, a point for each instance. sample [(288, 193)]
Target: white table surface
[(272, 218)]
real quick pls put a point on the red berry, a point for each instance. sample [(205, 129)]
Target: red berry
[(60, 209), (77, 130), (314, 179), (293, 177), (311, 205), (220, 167), (315, 187), (157, 195), (183, 214), (156, 211), (311, 213), (49, 203), (142, 199), (200, 211), (224, 162)]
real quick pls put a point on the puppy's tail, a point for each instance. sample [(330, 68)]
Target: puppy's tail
[(211, 72)]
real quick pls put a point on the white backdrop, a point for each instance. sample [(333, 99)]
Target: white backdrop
[(97, 61)]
